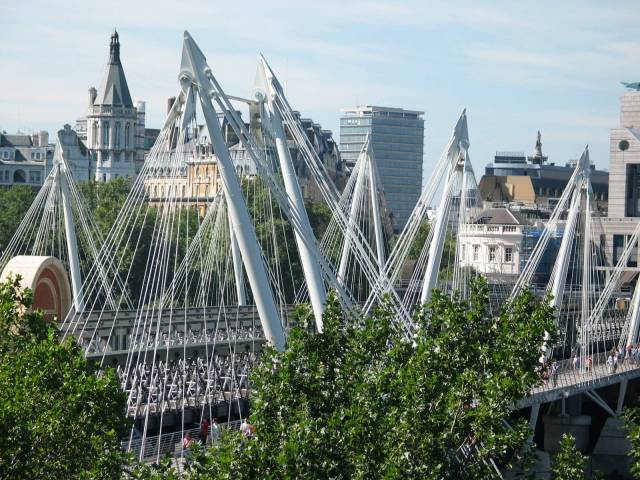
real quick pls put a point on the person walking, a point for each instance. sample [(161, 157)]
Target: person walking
[(204, 431), (245, 430), (610, 362), (215, 431)]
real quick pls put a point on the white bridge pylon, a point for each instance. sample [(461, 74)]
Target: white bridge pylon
[(362, 201), (276, 110), (194, 80), (576, 284), (454, 175), (266, 92)]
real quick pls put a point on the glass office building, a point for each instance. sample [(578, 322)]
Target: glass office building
[(397, 138)]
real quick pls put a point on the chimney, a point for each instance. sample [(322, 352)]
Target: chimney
[(170, 102), (93, 93)]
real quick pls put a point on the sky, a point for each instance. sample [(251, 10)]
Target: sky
[(515, 66)]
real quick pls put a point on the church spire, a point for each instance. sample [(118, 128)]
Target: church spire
[(114, 48)]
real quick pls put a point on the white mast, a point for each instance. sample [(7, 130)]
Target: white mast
[(194, 74), (457, 157), (266, 93)]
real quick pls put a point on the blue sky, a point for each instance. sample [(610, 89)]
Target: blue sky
[(516, 66)]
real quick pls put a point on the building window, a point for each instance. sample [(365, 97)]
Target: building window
[(19, 176), (94, 133), (619, 244), (462, 252), (34, 176), (5, 155), (116, 135), (632, 202), (105, 134), (127, 133), (492, 254), (508, 254), (476, 252)]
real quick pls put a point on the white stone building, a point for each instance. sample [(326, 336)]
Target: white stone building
[(76, 155), (114, 126), (493, 244)]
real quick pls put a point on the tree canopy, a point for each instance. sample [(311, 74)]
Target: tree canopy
[(569, 463), (58, 419), (15, 202), (360, 401)]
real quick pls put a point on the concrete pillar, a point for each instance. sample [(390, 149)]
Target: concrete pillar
[(556, 426)]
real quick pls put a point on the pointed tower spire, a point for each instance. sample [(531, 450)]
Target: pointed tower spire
[(114, 48), (114, 90)]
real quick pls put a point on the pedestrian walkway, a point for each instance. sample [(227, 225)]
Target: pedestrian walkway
[(570, 380)]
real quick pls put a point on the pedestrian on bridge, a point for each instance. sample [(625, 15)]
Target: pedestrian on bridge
[(610, 362), (204, 431), (215, 431), (554, 372)]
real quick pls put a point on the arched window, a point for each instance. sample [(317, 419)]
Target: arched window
[(127, 132), (105, 134), (19, 176), (116, 135)]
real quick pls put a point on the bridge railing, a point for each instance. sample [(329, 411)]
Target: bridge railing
[(168, 443), (567, 374)]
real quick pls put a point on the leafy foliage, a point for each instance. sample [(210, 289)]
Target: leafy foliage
[(631, 418), (15, 202), (359, 401), (58, 419), (568, 463)]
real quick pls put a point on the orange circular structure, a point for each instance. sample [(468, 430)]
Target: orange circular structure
[(47, 279)]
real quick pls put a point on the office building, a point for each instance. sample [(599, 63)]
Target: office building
[(624, 177), (397, 138)]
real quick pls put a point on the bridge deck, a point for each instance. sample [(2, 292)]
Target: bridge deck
[(570, 381)]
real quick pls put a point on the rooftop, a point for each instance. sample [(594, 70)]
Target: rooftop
[(500, 216), (368, 109), (114, 90)]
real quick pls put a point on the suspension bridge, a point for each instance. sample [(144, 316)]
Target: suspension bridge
[(223, 269)]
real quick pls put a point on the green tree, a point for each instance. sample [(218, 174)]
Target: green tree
[(15, 202), (568, 462), (360, 401), (631, 418), (58, 419)]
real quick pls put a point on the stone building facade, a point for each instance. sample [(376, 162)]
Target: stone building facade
[(114, 126), (23, 158)]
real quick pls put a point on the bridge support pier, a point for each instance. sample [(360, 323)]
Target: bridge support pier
[(533, 417), (610, 454), (556, 426), (621, 394)]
